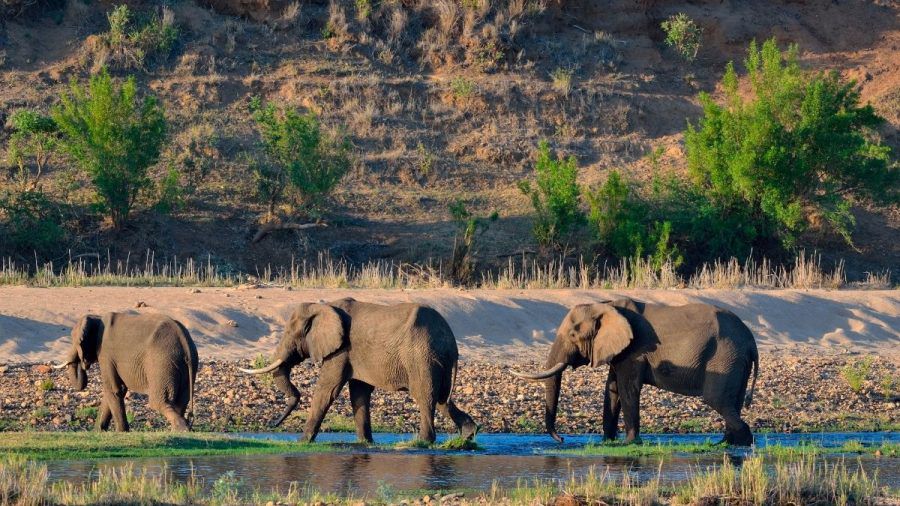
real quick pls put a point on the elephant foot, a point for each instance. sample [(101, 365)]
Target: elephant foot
[(740, 437), (636, 440), (469, 430)]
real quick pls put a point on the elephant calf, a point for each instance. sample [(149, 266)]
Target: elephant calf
[(697, 349), (149, 354), (397, 347)]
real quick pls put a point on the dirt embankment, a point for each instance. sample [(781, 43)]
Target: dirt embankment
[(499, 326), (430, 124)]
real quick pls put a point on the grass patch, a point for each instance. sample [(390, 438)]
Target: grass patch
[(856, 373), (453, 444), (621, 449), (849, 447), (83, 445)]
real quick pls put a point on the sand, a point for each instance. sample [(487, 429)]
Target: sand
[(490, 325)]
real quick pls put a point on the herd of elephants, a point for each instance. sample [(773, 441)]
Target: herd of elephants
[(695, 349)]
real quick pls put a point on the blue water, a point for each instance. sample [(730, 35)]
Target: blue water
[(506, 459)]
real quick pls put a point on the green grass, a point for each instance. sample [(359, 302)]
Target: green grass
[(453, 444), (620, 449), (93, 445), (850, 447)]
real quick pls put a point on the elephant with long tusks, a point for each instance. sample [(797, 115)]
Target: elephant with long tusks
[(368, 346), (696, 349)]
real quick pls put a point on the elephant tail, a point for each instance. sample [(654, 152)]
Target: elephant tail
[(749, 398), (189, 355), (452, 381)]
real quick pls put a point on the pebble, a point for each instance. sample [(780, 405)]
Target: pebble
[(228, 400)]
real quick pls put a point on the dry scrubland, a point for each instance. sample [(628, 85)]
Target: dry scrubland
[(441, 101)]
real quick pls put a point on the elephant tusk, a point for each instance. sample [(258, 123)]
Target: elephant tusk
[(62, 366), (264, 370), (558, 368)]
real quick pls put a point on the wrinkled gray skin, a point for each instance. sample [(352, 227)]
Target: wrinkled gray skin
[(398, 347), (148, 353), (697, 350)]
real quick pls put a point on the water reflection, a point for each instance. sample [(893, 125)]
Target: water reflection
[(507, 459)]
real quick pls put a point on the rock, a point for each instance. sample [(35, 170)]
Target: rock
[(140, 303), (231, 323), (42, 369), (194, 290)]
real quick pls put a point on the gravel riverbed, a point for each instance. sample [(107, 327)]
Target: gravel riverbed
[(793, 393)]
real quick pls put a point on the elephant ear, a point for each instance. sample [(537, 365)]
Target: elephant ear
[(613, 334), (86, 338), (324, 331)]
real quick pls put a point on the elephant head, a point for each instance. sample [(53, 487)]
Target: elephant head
[(590, 334), (314, 331), (87, 335)]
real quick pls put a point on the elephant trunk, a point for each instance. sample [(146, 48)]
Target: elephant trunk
[(552, 387), (76, 371), (551, 402), (282, 376), (286, 357)]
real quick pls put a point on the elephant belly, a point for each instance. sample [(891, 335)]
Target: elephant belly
[(679, 380)]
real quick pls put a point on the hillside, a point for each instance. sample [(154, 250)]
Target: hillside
[(440, 104)]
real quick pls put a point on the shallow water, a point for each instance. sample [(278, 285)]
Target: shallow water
[(506, 459)]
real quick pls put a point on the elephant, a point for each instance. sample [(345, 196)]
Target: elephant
[(407, 347), (146, 353), (696, 349)]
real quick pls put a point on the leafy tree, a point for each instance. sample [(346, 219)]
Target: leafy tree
[(114, 137), (555, 198), (799, 146), (300, 157), (624, 224), (31, 144)]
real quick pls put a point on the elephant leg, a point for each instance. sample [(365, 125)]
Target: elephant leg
[(737, 432), (332, 378), (115, 401), (103, 416), (360, 397), (466, 427), (612, 407), (631, 411), (426, 403), (174, 415)]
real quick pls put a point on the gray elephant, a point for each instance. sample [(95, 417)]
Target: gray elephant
[(696, 349), (150, 354), (397, 347)]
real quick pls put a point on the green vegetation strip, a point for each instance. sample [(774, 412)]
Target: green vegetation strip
[(79, 445), (620, 449), (93, 445)]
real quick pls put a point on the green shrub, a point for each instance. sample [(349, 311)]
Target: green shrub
[(469, 226), (799, 148), (114, 137), (87, 413), (623, 225), (555, 198), (461, 87), (856, 373), (301, 157), (683, 34), (30, 222), (46, 385), (133, 38), (31, 145)]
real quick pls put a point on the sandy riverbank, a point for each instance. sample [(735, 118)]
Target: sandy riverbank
[(490, 325)]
